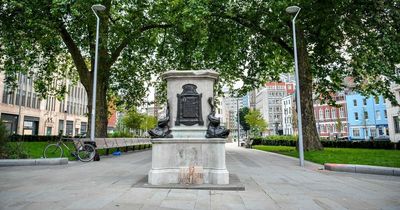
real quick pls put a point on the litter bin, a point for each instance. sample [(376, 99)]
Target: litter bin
[(96, 155)]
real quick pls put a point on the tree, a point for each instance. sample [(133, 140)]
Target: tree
[(242, 114), (247, 40), (256, 122), (136, 121), (339, 126), (132, 119), (4, 134), (337, 40), (56, 39), (148, 122)]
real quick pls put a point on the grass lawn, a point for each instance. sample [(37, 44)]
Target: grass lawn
[(35, 149), (376, 157)]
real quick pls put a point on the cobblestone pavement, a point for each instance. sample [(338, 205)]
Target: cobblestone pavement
[(272, 182)]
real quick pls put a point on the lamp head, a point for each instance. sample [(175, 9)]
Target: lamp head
[(292, 9), (98, 7)]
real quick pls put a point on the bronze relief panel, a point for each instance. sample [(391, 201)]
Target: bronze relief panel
[(189, 106)]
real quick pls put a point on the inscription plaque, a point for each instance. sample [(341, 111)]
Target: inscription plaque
[(189, 106)]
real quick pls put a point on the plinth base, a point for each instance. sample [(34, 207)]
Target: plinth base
[(188, 161), (174, 176)]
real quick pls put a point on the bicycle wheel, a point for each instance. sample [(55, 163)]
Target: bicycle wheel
[(86, 153), (53, 151)]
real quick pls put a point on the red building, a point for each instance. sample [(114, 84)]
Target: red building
[(332, 121)]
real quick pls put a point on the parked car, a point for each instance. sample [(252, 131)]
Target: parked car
[(382, 138), (343, 138)]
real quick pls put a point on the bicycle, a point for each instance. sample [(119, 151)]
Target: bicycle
[(83, 152)]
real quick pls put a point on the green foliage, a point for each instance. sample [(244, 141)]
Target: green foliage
[(132, 119), (148, 122), (3, 140), (284, 138), (339, 124), (243, 40), (35, 149), (120, 134), (376, 157), (242, 113), (292, 141), (10, 150), (135, 120), (256, 122)]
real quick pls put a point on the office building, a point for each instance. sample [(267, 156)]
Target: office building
[(25, 113)]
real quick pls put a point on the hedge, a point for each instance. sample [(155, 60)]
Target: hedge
[(286, 141), (31, 138)]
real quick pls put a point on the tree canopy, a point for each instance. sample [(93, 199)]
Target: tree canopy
[(243, 40), (242, 114), (135, 120), (256, 122)]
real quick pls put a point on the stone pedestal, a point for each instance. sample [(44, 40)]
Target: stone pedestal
[(189, 157)]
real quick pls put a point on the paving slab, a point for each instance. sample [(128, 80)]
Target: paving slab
[(271, 181)]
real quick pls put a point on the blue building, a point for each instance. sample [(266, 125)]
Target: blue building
[(246, 100), (367, 116)]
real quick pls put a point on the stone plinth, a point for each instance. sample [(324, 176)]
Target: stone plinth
[(203, 79), (171, 157), (189, 157)]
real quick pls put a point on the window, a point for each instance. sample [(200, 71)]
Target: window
[(396, 124), (23, 98), (385, 112), (48, 131), (17, 98), (365, 115), (373, 132), (341, 112), (376, 100), (321, 115), (34, 101), (11, 99), (355, 102), (356, 132), (364, 101), (5, 95), (38, 103), (327, 114), (69, 128), (378, 115), (356, 115), (28, 103), (333, 110), (380, 131), (60, 126)]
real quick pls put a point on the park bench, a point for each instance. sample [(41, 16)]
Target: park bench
[(119, 143)]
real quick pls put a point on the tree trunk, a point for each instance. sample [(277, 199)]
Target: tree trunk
[(101, 97), (310, 134), (101, 112)]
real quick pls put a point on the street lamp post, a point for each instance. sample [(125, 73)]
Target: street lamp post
[(295, 10), (238, 121), (19, 103), (96, 7)]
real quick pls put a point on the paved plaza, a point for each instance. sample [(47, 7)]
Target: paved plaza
[(272, 182)]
